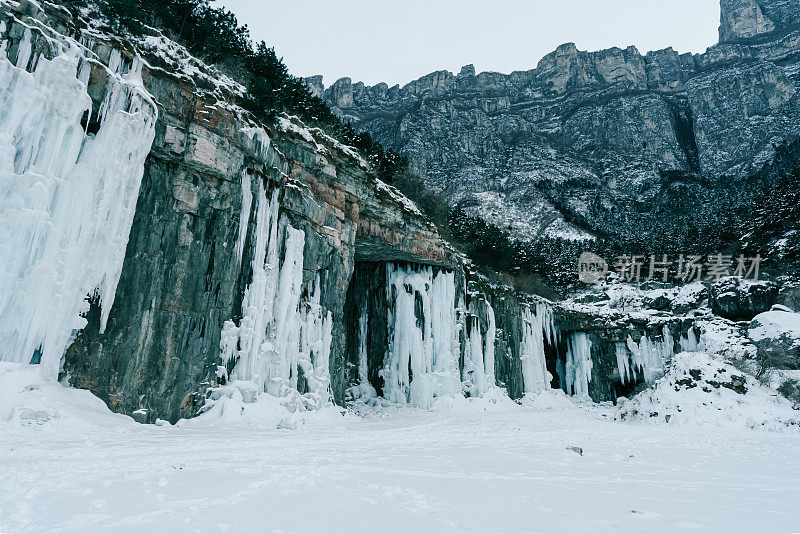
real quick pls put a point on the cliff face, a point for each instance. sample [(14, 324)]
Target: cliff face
[(594, 128), (741, 19), (161, 245), (197, 226), (183, 278)]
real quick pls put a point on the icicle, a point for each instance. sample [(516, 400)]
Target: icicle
[(488, 351), (66, 202), (316, 326), (283, 369), (578, 369), (474, 374), (244, 215), (363, 390), (4, 42), (478, 374), (421, 362), (651, 356), (24, 50), (280, 333), (363, 332), (259, 141), (259, 296), (689, 342), (84, 72), (444, 335), (623, 363), (115, 61), (536, 327)]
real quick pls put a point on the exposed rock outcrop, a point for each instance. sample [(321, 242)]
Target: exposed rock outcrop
[(593, 134), (742, 19), (734, 298), (776, 335)]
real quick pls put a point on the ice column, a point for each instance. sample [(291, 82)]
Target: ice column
[(280, 334), (67, 199), (421, 362), (444, 333), (537, 326), (651, 356), (244, 216), (578, 369), (363, 332), (478, 371), (689, 342), (623, 363), (316, 325)]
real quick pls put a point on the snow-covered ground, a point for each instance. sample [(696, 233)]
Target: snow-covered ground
[(69, 465)]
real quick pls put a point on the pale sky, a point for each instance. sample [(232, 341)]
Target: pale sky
[(398, 41)]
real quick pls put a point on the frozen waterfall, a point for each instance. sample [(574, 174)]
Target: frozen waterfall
[(67, 198), (421, 361), (578, 369), (537, 326), (478, 371), (650, 356), (284, 331)]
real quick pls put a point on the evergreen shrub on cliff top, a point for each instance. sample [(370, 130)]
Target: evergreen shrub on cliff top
[(214, 34)]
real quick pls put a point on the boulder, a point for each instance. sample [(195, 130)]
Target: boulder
[(790, 296), (690, 297), (658, 299), (140, 416), (776, 334), (739, 299)]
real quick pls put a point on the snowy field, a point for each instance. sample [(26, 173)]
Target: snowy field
[(68, 465)]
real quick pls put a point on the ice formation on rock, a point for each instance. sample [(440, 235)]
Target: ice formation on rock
[(244, 216), (363, 332), (67, 198), (689, 342), (281, 335), (649, 356), (578, 368), (421, 362), (537, 326), (624, 363), (478, 373)]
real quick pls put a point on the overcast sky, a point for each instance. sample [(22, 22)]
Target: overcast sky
[(397, 41)]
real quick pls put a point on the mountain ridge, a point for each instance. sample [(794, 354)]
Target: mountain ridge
[(595, 136)]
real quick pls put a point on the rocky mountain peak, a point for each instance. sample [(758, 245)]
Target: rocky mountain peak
[(587, 130), (742, 19), (467, 71)]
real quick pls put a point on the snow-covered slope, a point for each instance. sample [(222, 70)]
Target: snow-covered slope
[(698, 388)]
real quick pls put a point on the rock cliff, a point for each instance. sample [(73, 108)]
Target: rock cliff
[(183, 246), (593, 135)]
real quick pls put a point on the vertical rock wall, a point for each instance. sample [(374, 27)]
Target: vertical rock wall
[(184, 299)]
